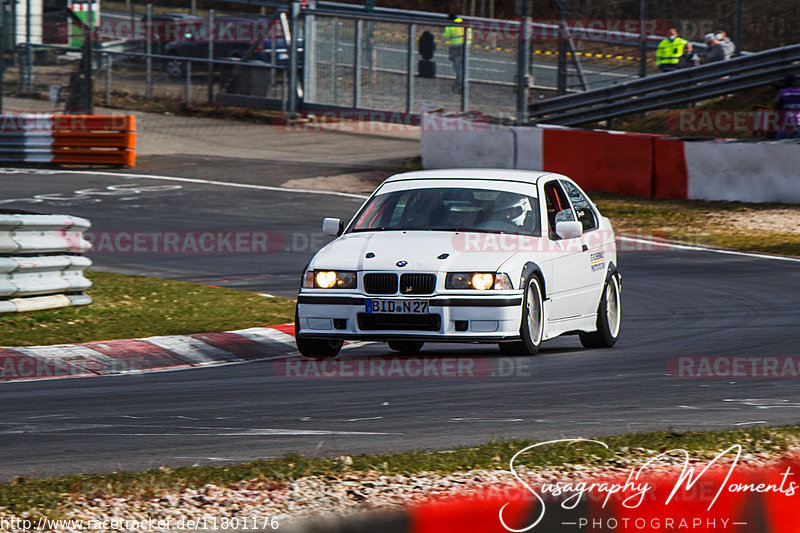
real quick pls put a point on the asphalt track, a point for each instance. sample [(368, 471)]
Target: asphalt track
[(677, 302)]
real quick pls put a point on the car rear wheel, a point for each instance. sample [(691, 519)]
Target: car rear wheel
[(174, 68), (532, 325), (406, 346), (315, 348), (609, 318)]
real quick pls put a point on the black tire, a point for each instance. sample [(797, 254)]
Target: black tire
[(609, 317), (315, 348), (531, 328), (406, 346)]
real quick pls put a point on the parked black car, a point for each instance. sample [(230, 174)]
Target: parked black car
[(234, 37)]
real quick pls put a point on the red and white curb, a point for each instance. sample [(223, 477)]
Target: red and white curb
[(145, 355)]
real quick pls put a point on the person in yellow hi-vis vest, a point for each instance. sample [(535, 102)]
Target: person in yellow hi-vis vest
[(669, 51), (454, 36)]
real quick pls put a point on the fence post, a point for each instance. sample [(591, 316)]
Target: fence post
[(87, 61), (523, 58), (108, 78), (643, 37), (187, 89), (737, 27), (294, 13), (2, 53), (334, 57), (465, 68), (412, 32), (148, 61), (28, 50), (356, 63), (210, 78), (273, 57), (310, 53)]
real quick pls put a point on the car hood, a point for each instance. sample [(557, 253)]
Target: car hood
[(420, 249)]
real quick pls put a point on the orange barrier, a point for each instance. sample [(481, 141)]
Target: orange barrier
[(94, 139), (68, 139), (125, 158), (601, 161), (94, 123)]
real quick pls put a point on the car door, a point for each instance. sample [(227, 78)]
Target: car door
[(569, 259), (593, 260)]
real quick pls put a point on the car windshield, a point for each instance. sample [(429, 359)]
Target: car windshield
[(450, 209)]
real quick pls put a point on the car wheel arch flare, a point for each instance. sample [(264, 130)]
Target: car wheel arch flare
[(531, 268)]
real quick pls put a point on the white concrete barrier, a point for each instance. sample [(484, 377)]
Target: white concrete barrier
[(529, 148), (457, 142), (743, 172), (40, 267)]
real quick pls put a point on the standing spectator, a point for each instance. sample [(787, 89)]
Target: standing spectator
[(714, 51), (788, 106), (690, 58), (725, 42), (454, 35), (669, 51)]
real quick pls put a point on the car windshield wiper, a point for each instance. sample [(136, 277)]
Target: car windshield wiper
[(377, 228)]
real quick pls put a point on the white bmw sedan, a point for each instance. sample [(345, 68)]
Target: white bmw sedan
[(488, 256)]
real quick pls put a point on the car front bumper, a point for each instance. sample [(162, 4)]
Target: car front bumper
[(450, 318)]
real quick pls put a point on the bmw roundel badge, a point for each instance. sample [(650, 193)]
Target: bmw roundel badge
[(401, 264)]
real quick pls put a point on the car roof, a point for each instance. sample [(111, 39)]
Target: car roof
[(497, 174)]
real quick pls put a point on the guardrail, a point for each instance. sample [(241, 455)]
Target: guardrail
[(672, 88), (68, 139), (40, 262)]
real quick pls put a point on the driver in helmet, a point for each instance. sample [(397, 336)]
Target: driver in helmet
[(512, 210)]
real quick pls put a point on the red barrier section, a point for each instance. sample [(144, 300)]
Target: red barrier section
[(670, 177), (285, 328), (236, 344), (136, 355), (599, 161), (470, 514)]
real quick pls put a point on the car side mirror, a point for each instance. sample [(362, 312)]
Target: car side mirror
[(332, 227), (569, 229)]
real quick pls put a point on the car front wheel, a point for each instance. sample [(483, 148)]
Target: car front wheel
[(315, 348), (609, 317), (532, 326)]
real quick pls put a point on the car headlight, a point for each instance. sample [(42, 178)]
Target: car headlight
[(329, 279), (481, 281)]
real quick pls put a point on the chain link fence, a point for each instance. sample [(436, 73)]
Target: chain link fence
[(372, 61)]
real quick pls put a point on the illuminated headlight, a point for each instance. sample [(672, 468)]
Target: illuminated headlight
[(283, 56), (329, 279), (481, 281)]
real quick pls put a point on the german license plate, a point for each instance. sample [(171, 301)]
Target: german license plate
[(404, 307)]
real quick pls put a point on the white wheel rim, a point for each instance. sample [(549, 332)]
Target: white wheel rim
[(612, 306), (533, 304)]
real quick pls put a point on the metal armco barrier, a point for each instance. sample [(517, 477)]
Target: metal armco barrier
[(669, 89), (40, 262), (70, 139)]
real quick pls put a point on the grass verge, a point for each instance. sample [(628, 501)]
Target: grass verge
[(135, 306), (51, 496), (770, 228)]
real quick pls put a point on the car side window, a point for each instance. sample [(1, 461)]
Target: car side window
[(582, 206), (558, 207)]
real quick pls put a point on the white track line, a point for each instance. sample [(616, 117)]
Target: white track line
[(697, 248), (201, 181)]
